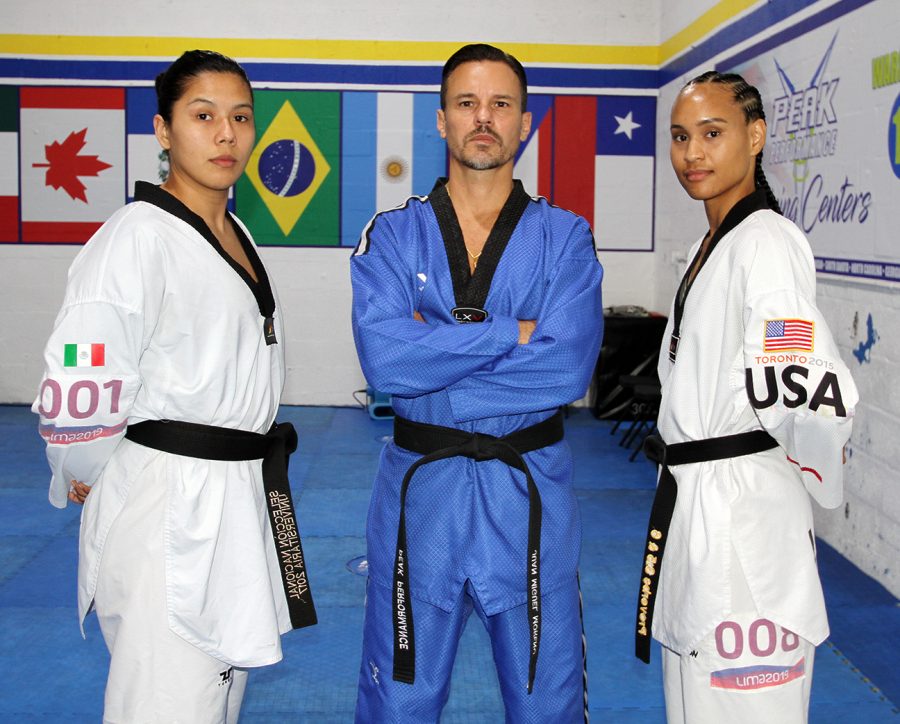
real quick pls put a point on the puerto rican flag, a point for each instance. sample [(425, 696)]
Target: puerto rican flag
[(72, 161), (534, 159), (595, 156)]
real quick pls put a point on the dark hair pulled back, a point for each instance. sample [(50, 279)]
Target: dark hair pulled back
[(750, 101), (480, 52), (171, 83)]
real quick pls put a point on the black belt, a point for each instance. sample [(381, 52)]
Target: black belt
[(682, 453), (274, 448), (438, 443)]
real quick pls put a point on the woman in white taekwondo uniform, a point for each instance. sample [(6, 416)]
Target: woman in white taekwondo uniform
[(163, 377), (757, 407)]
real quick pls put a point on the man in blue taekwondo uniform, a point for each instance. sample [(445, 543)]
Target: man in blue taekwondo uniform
[(478, 309)]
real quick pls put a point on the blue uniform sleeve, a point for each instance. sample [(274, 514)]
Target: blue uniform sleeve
[(398, 354), (556, 365)]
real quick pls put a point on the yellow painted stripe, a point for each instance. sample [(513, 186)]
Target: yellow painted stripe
[(717, 16), (372, 50)]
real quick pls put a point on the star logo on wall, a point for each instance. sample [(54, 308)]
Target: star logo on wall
[(626, 125)]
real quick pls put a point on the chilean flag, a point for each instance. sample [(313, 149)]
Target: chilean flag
[(624, 169), (594, 155)]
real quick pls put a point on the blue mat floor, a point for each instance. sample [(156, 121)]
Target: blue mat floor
[(50, 675)]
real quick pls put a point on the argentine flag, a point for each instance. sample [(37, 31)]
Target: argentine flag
[(391, 150)]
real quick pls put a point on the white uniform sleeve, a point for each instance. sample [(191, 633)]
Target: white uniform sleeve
[(795, 379), (91, 361)]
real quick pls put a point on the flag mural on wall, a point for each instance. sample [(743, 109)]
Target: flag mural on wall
[(624, 172), (146, 161), (72, 162), (595, 156), (574, 145), (323, 164), (9, 164), (534, 159), (289, 194), (404, 155)]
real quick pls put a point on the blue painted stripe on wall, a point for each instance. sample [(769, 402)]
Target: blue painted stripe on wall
[(753, 24), (429, 152), (861, 268), (377, 75), (737, 32), (592, 78), (795, 31), (358, 146), (726, 37), (127, 70)]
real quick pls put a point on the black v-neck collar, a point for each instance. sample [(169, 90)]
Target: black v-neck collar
[(261, 288), (751, 203), (471, 289)]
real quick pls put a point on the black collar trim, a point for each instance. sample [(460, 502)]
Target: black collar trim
[(756, 201), (261, 289), (471, 290)]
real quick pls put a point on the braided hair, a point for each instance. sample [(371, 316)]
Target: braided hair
[(748, 98)]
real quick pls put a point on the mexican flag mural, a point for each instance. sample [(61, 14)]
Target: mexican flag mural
[(9, 164)]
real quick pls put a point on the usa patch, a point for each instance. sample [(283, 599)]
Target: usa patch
[(794, 335)]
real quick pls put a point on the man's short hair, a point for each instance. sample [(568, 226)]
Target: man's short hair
[(479, 52)]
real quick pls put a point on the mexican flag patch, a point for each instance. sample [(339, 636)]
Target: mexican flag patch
[(84, 355)]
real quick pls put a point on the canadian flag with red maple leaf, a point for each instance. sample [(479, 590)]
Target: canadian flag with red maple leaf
[(65, 165), (72, 161)]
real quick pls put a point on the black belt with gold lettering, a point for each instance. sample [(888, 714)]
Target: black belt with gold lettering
[(434, 442), (274, 448), (682, 453)]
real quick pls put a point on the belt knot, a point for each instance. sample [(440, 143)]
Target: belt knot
[(480, 447)]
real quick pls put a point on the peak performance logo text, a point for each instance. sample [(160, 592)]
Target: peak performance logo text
[(804, 128)]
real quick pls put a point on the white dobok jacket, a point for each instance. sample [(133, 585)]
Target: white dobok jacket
[(754, 352), (158, 323)]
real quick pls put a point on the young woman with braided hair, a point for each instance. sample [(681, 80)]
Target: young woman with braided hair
[(756, 408), (748, 98)]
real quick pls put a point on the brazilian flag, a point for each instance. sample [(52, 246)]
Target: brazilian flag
[(289, 194)]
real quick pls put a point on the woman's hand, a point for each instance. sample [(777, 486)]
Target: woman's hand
[(78, 492)]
